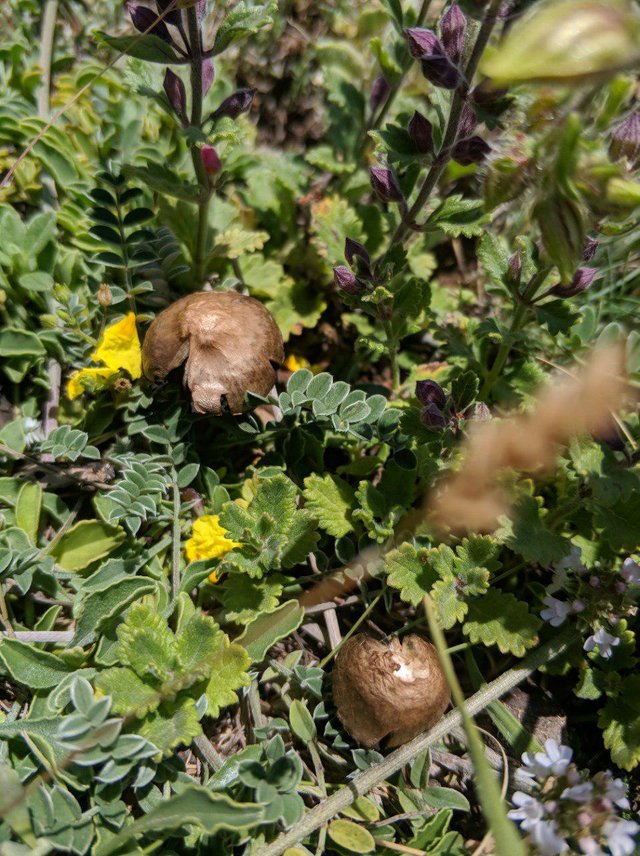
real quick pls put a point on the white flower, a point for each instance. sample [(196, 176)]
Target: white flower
[(556, 611), (545, 836), (571, 562), (605, 641), (620, 836), (616, 791), (630, 572), (529, 810), (590, 846), (578, 793), (552, 762), (32, 431)]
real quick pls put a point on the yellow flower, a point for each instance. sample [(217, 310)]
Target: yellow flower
[(295, 362), (118, 349), (208, 541)]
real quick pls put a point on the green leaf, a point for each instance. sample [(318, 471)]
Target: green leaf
[(244, 599), (171, 725), (458, 216), (330, 500), (28, 506), (146, 644), (241, 21), (410, 570), (301, 721), (20, 343), (197, 645), (229, 673), (528, 535), (445, 798), (354, 838), (238, 242), (13, 807), (265, 630), (85, 543), (147, 47), (500, 619), (620, 523), (194, 805), (130, 695), (100, 607), (620, 721), (30, 666)]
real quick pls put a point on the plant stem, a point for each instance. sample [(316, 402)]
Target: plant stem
[(444, 155), (175, 532), (196, 157), (47, 34), (362, 783), (353, 629)]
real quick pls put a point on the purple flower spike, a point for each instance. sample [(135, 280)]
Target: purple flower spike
[(429, 392), (175, 91), (470, 151), (145, 20), (452, 28), (346, 280), (438, 68), (238, 102), (385, 185), (421, 41), (582, 279), (420, 130)]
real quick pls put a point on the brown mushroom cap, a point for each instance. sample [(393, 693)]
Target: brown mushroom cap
[(230, 342), (396, 689)]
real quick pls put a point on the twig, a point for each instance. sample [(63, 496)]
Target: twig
[(352, 630), (55, 636), (394, 762), (207, 753), (50, 410)]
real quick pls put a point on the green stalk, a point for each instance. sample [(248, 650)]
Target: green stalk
[(364, 782), (175, 533), (196, 157), (47, 34), (506, 839)]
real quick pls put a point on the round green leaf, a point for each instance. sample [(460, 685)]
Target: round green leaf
[(352, 837)]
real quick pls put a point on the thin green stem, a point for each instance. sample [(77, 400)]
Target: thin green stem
[(364, 782), (47, 34), (175, 533), (352, 630)]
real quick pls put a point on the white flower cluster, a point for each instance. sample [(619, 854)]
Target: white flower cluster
[(566, 814)]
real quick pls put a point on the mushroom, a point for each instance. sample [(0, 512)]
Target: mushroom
[(230, 342), (395, 689)]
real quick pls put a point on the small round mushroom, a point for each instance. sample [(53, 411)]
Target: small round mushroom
[(230, 342), (395, 690)]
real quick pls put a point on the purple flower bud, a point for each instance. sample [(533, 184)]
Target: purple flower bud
[(210, 159), (468, 122), (176, 93), (582, 279), (578, 605), (201, 9), (472, 150), (625, 140), (145, 20), (514, 272), (594, 581), (420, 130), (385, 185), (238, 102), (452, 30), (174, 17), (619, 587), (441, 71), (590, 248), (432, 417), (421, 41), (346, 280), (477, 412), (379, 91), (430, 392), (354, 249), (208, 73)]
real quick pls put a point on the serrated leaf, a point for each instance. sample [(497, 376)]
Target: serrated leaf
[(241, 21), (330, 500), (197, 645), (410, 570), (228, 674), (620, 721), (528, 535), (458, 216), (171, 725), (130, 695), (501, 619), (146, 644), (244, 598)]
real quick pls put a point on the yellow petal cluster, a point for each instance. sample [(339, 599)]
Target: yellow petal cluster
[(208, 541), (119, 348)]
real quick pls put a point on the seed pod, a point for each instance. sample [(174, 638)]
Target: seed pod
[(452, 30), (230, 342), (420, 131), (396, 690), (176, 93)]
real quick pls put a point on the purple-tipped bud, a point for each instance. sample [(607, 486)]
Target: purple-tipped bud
[(590, 248), (176, 93), (346, 280), (514, 271), (625, 140), (238, 102), (210, 159), (582, 279), (452, 30), (430, 392), (208, 73), (174, 17), (379, 91), (468, 122), (432, 417), (385, 185), (438, 68), (146, 20), (471, 150), (354, 249), (420, 131), (421, 41)]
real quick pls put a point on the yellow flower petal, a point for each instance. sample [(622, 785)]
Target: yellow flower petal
[(295, 362), (119, 347), (97, 377), (208, 540)]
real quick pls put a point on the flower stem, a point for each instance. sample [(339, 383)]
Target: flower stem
[(175, 534)]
